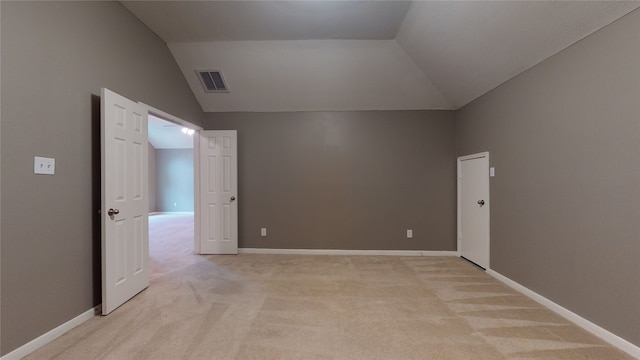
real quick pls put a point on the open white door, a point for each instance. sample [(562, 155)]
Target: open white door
[(125, 224), (218, 184), (473, 208)]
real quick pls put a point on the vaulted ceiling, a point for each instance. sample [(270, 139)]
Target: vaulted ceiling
[(309, 55)]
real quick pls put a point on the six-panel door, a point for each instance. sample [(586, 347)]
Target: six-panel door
[(125, 226), (218, 192)]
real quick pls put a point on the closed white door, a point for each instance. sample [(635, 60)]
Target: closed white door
[(218, 210), (125, 226), (473, 208)]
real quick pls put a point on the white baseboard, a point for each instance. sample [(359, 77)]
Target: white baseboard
[(596, 330), (48, 337), (346, 252)]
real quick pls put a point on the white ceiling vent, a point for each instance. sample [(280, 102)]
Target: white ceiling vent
[(212, 81)]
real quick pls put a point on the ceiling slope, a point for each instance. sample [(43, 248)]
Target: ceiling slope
[(202, 21), (467, 48), (312, 75), (310, 55)]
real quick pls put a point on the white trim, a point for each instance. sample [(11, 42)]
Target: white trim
[(596, 330), (51, 335), (345, 252), (166, 116), (196, 193), (474, 156)]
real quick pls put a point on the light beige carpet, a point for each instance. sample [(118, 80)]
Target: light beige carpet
[(320, 307)]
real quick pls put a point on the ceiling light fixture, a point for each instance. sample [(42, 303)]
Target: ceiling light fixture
[(188, 131)]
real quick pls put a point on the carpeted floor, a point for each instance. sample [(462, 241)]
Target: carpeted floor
[(320, 307)]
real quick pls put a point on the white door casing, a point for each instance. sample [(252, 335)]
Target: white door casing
[(473, 208), (125, 208), (218, 192)]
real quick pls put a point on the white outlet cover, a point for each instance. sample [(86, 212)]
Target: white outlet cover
[(43, 165), (263, 231), (492, 171), (409, 233)]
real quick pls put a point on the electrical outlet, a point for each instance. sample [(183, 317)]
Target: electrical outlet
[(42, 165), (409, 233), (263, 231)]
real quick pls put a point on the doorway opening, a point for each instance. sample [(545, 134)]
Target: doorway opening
[(171, 193)]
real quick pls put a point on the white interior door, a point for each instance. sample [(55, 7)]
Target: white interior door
[(473, 208), (218, 209), (125, 224)]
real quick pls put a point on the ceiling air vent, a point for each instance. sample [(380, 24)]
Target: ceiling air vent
[(212, 80)]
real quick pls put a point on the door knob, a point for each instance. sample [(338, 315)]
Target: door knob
[(233, 198), (112, 212), (480, 202)]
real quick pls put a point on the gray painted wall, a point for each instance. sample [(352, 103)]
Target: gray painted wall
[(345, 180), (175, 180), (565, 140), (563, 136), (55, 58), (153, 179)]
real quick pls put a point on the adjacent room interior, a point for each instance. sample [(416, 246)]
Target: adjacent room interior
[(350, 116), (171, 194)]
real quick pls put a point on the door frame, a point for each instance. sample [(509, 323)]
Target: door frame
[(171, 118), (196, 192), (488, 203), (196, 165)]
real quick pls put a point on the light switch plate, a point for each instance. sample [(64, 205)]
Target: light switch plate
[(492, 171), (263, 231), (43, 165), (409, 233)]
